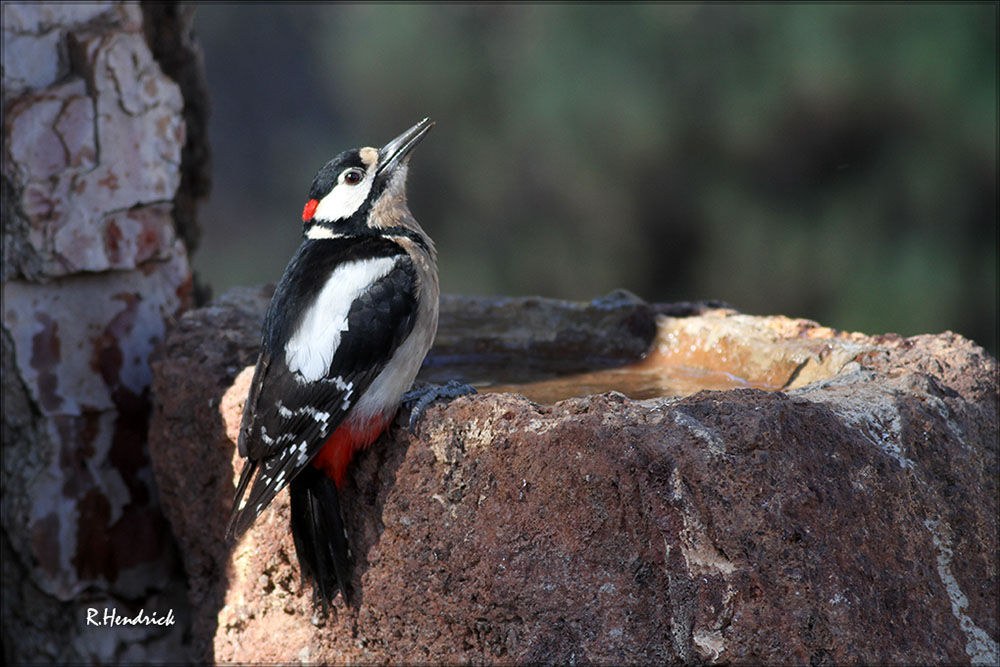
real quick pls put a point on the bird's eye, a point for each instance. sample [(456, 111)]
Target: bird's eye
[(353, 176)]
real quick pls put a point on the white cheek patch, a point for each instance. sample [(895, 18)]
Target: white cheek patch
[(343, 201), (311, 349)]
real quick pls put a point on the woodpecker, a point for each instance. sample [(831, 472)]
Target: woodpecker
[(346, 331)]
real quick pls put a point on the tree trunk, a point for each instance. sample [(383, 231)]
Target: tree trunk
[(104, 160)]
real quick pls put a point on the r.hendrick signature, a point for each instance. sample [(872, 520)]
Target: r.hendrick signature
[(111, 617)]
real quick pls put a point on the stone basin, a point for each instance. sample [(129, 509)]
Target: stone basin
[(619, 343), (836, 505)]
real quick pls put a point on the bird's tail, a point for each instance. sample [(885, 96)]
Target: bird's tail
[(320, 538)]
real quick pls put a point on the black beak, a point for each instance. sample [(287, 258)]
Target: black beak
[(394, 153)]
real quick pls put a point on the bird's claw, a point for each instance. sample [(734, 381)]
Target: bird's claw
[(422, 398)]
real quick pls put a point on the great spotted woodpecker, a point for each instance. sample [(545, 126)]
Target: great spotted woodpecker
[(344, 336)]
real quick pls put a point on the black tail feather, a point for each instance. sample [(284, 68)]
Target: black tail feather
[(240, 520), (320, 538)]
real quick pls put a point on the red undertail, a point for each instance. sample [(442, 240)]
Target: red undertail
[(351, 436)]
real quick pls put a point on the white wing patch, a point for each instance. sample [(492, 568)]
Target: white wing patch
[(311, 349)]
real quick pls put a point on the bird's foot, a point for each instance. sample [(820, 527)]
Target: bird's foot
[(421, 398)]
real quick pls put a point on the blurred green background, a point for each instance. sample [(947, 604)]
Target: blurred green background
[(834, 162)]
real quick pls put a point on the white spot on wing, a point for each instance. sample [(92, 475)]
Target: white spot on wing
[(318, 415), (346, 387), (310, 350), (302, 453)]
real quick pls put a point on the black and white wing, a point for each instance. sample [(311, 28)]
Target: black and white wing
[(314, 367)]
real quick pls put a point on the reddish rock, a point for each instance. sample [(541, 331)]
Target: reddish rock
[(197, 362), (851, 519)]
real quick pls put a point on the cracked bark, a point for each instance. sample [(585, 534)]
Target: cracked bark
[(104, 161)]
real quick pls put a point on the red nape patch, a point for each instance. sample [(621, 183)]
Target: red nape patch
[(309, 210), (347, 439)]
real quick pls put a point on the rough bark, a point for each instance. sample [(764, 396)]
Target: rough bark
[(101, 172)]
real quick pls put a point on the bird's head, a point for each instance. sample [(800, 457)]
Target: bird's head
[(362, 188)]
